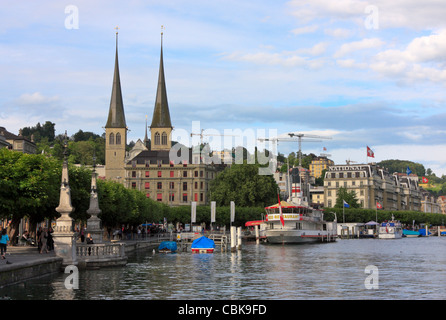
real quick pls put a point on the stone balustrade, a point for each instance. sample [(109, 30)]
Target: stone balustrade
[(101, 254)]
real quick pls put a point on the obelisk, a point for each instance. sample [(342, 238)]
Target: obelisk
[(94, 223), (64, 235)]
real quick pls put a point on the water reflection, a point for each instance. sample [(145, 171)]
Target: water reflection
[(408, 269)]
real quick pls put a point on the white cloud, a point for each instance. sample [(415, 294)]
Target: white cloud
[(304, 30), (422, 59), (368, 43), (35, 98)]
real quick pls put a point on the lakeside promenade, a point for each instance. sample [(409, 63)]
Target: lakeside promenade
[(25, 262)]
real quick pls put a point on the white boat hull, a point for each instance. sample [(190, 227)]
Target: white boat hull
[(393, 231), (296, 236)]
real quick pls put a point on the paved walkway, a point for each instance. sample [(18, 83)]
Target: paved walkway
[(19, 255)]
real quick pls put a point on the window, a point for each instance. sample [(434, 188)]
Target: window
[(171, 185), (133, 185), (147, 195), (159, 197), (147, 162), (171, 196), (195, 174), (196, 185), (184, 186), (118, 138), (147, 174), (184, 174), (201, 185), (147, 185), (164, 139), (133, 174), (171, 174), (159, 174), (157, 138), (201, 197), (184, 197), (111, 139), (159, 185), (196, 196)]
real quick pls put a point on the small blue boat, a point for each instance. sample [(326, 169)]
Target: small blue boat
[(203, 245), (410, 233), (423, 232), (167, 247)]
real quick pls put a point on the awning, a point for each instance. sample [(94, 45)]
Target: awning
[(283, 204), (254, 223), (371, 223)]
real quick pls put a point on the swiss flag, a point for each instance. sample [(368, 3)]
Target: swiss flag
[(425, 180), (378, 205), (370, 153)]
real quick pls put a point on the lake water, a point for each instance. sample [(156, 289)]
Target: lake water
[(408, 268)]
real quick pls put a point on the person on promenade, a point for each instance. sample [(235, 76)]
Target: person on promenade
[(89, 239), (49, 240), (43, 240), (4, 238), (38, 233)]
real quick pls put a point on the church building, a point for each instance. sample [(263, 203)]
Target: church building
[(148, 166)]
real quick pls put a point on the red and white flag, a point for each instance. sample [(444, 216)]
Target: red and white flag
[(425, 180), (370, 153), (280, 210), (378, 205)]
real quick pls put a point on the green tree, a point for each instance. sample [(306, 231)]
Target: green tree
[(348, 196), (243, 184), (29, 187)]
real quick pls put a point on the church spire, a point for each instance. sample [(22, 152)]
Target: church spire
[(161, 114), (116, 117)]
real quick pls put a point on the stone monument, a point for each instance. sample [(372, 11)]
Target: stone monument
[(94, 223), (64, 235)]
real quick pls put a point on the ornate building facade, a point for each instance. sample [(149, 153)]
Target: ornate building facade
[(373, 185)]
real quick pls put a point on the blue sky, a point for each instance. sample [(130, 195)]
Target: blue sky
[(363, 73)]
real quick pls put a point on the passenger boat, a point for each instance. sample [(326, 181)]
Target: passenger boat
[(294, 221), (390, 230)]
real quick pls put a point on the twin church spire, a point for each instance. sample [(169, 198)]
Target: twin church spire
[(116, 127)]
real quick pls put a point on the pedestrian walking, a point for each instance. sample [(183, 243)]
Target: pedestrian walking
[(49, 240), (43, 240), (38, 233), (4, 238)]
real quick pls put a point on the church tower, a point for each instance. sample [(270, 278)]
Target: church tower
[(161, 127), (115, 130)]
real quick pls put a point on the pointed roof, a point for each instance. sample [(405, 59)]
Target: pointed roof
[(161, 114), (116, 116)]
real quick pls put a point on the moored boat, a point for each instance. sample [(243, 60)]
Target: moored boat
[(167, 247), (297, 222), (410, 233), (390, 230), (203, 245)]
